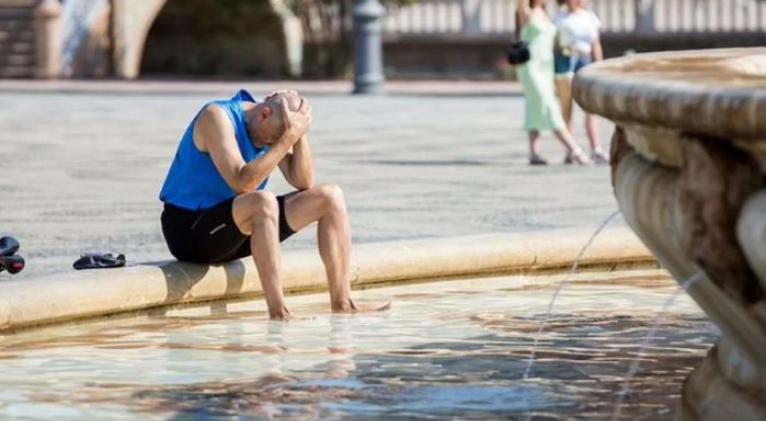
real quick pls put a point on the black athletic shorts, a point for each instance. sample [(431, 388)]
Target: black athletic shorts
[(210, 235)]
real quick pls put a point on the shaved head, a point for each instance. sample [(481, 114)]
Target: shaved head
[(275, 102), (267, 121)]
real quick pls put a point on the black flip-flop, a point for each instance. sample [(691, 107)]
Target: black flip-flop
[(13, 264), (8, 246), (99, 261)]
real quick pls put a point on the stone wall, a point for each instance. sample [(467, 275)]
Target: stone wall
[(483, 57), (94, 57), (262, 39), (183, 38), (131, 20)]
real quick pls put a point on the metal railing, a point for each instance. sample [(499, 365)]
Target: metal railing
[(487, 17)]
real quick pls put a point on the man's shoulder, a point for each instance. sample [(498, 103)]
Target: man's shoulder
[(211, 121), (214, 113)]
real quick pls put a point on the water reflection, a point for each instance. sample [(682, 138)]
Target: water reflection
[(577, 374), (455, 349)]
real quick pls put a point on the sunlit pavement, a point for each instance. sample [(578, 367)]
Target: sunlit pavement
[(82, 171)]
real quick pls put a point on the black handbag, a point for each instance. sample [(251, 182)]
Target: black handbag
[(518, 53)]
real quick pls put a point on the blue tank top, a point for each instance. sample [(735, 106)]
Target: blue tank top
[(193, 181)]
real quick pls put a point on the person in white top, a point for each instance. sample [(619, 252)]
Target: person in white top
[(578, 45)]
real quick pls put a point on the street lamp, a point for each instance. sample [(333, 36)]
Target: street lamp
[(368, 48)]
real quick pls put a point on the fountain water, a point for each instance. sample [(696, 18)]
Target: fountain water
[(633, 369), (544, 322)]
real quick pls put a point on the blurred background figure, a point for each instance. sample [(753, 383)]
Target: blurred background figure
[(578, 45), (542, 110)]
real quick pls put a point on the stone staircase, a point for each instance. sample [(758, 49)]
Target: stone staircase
[(17, 38)]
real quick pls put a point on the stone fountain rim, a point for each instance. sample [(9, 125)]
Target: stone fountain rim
[(605, 88), (73, 296)]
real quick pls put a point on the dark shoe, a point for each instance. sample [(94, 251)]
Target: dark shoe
[(99, 261), (537, 160), (8, 246), (13, 264), (599, 158), (577, 157)]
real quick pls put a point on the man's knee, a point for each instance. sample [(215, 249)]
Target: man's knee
[(263, 205), (332, 197)]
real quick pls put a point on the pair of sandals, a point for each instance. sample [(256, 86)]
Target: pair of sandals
[(14, 263), (9, 260), (577, 157)]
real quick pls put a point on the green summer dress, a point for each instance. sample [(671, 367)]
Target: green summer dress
[(543, 111)]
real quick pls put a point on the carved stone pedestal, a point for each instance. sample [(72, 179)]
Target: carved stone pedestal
[(688, 166)]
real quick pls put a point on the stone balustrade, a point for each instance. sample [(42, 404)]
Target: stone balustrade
[(47, 39)]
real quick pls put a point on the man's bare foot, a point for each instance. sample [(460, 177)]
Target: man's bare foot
[(282, 314), (352, 307)]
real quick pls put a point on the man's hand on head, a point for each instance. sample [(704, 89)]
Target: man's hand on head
[(281, 92), (296, 112)]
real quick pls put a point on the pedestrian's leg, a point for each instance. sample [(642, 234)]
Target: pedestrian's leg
[(534, 149), (564, 92), (257, 215), (574, 153), (597, 153)]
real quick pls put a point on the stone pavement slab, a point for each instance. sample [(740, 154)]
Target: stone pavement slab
[(81, 171)]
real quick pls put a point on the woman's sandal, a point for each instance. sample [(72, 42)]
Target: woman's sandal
[(537, 160), (577, 157), (599, 157)]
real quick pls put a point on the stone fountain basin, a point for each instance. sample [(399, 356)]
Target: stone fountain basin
[(712, 92), (689, 173)]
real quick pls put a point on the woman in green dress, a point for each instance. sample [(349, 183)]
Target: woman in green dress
[(543, 111)]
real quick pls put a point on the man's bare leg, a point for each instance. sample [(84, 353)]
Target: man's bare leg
[(326, 204), (257, 214)]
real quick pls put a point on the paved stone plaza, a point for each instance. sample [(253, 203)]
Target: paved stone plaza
[(81, 171)]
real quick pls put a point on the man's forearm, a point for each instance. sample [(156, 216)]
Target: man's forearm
[(255, 172), (301, 165)]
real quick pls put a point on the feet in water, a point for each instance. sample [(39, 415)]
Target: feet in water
[(282, 314), (537, 160), (353, 307), (599, 157), (350, 307)]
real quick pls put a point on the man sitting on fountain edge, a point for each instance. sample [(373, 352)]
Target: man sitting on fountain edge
[(216, 206)]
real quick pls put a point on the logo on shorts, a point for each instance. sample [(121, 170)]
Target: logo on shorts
[(218, 228)]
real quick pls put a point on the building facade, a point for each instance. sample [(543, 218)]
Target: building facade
[(108, 38)]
